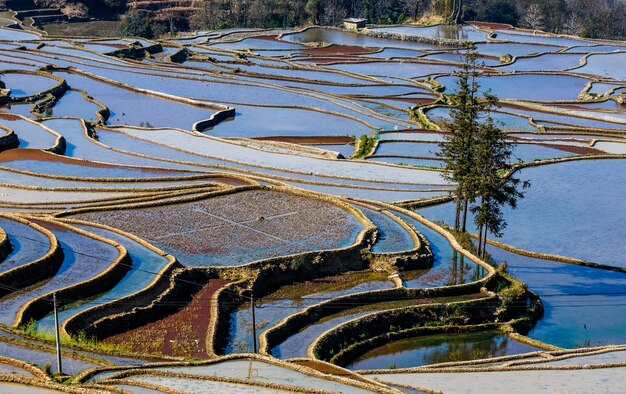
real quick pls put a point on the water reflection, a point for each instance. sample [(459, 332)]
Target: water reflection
[(434, 349)]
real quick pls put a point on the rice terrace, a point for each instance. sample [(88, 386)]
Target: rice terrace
[(192, 201)]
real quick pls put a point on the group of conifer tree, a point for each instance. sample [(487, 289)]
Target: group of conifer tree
[(477, 157)]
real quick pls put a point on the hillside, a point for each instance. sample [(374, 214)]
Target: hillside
[(596, 19)]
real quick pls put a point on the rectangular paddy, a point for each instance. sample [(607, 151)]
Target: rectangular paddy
[(238, 228)]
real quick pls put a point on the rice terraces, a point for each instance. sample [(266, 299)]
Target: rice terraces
[(173, 192)]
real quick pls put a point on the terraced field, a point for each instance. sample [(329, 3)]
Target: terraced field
[(195, 200)]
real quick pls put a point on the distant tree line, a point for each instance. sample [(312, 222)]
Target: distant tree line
[(586, 18)]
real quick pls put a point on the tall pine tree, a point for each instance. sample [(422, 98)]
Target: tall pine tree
[(477, 156)]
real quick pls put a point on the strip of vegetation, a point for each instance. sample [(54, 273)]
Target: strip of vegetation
[(365, 146)]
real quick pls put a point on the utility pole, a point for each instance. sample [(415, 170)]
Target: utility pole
[(56, 329), (253, 322)]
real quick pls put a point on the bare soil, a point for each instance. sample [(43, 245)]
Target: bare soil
[(182, 334)]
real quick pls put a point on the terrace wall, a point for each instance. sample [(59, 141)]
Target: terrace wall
[(58, 90), (41, 306), (40, 269), (312, 314), (5, 245), (8, 140), (214, 120), (173, 290), (331, 344)]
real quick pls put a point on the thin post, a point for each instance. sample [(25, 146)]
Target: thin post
[(480, 240), (465, 203), (484, 251), (253, 322), (457, 213), (56, 329)]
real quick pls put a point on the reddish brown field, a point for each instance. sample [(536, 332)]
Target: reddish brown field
[(339, 50), (182, 334), (6, 116), (491, 25), (326, 60), (326, 140), (579, 150), (40, 155)]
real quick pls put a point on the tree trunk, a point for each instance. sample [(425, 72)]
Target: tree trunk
[(457, 214), (457, 12), (464, 214), (484, 251), (480, 240)]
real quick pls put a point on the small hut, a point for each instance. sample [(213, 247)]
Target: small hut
[(354, 23)]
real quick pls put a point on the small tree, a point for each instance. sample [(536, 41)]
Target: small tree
[(477, 156), (493, 187), (458, 147), (534, 17)]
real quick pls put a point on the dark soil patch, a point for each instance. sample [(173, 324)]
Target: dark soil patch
[(325, 140), (326, 60), (579, 150), (490, 25), (339, 50), (39, 155), (6, 116), (182, 334)]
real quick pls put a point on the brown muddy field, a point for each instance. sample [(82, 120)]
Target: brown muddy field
[(309, 140), (339, 50), (182, 334), (239, 227)]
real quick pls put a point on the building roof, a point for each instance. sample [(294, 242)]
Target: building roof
[(354, 20)]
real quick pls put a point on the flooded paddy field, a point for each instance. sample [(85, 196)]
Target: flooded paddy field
[(294, 178)]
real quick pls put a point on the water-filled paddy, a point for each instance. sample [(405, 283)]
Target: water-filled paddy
[(397, 69), (547, 62), (145, 265), (539, 87), (449, 32), (255, 43), (409, 161), (207, 386), (266, 373), (84, 258), (23, 85), (449, 267), (569, 381), (506, 121), (434, 349), (392, 236), (566, 213), (606, 65), (201, 145), (28, 244), (30, 134), (136, 109), (289, 89), (520, 36), (74, 104), (40, 358), (576, 299), (514, 49), (292, 298), (317, 34), (16, 35)]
